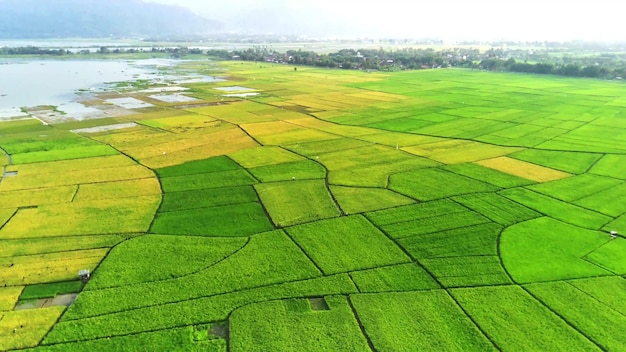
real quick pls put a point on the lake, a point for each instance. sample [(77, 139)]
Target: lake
[(28, 83)]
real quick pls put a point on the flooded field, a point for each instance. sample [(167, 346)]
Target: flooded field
[(62, 86)]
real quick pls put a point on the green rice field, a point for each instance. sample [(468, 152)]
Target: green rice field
[(434, 210)]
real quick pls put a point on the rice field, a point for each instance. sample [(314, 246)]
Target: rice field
[(333, 211)]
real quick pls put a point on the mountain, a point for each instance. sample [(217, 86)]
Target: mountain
[(98, 19)]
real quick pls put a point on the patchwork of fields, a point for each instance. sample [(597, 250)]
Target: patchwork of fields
[(333, 211)]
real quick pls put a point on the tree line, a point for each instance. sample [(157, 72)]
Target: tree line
[(605, 66)]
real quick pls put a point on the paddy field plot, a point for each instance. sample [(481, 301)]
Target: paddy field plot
[(608, 256), (467, 271), (401, 277), (296, 326), (610, 165), (557, 209), (477, 240), (297, 170), (575, 188), (346, 244), (433, 318), (256, 265), (354, 200), (337, 210), (558, 251), (26, 328), (424, 184), (132, 261), (603, 330), (184, 338), (9, 297), (509, 327), (126, 215), (295, 202), (523, 169)]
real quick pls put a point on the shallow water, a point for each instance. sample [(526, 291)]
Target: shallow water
[(26, 83), (234, 89), (173, 98)]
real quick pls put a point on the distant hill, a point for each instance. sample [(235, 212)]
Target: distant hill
[(97, 19)]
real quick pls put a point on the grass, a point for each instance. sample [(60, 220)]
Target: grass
[(50, 290), (414, 212), (466, 271), (268, 259), (53, 167), (509, 326), (126, 215), (376, 175), (610, 165), (264, 156), (545, 249), (175, 339), (32, 246), (64, 154), (423, 184), (52, 267), (228, 220), (609, 256), (118, 189), (299, 170), (576, 163), (418, 321), (607, 201), (523, 169), (196, 311), (459, 151), (387, 186), (497, 208), (576, 306), (26, 328), (313, 149), (608, 290), (9, 297), (34, 197), (215, 164), (557, 209), (353, 200), (488, 175), (207, 198), (574, 188), (403, 277), (295, 327), (202, 181), (434, 224), (296, 202), (134, 261), (469, 240), (346, 244), (43, 180)]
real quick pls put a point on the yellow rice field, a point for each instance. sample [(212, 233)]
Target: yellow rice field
[(523, 169), (39, 196), (26, 328), (459, 151), (9, 297), (33, 269), (118, 189), (126, 215)]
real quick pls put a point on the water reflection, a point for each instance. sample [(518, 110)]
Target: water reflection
[(62, 83)]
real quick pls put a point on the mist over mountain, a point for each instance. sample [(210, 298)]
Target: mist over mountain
[(486, 20), (98, 19)]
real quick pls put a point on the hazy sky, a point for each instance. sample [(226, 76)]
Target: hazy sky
[(451, 19)]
